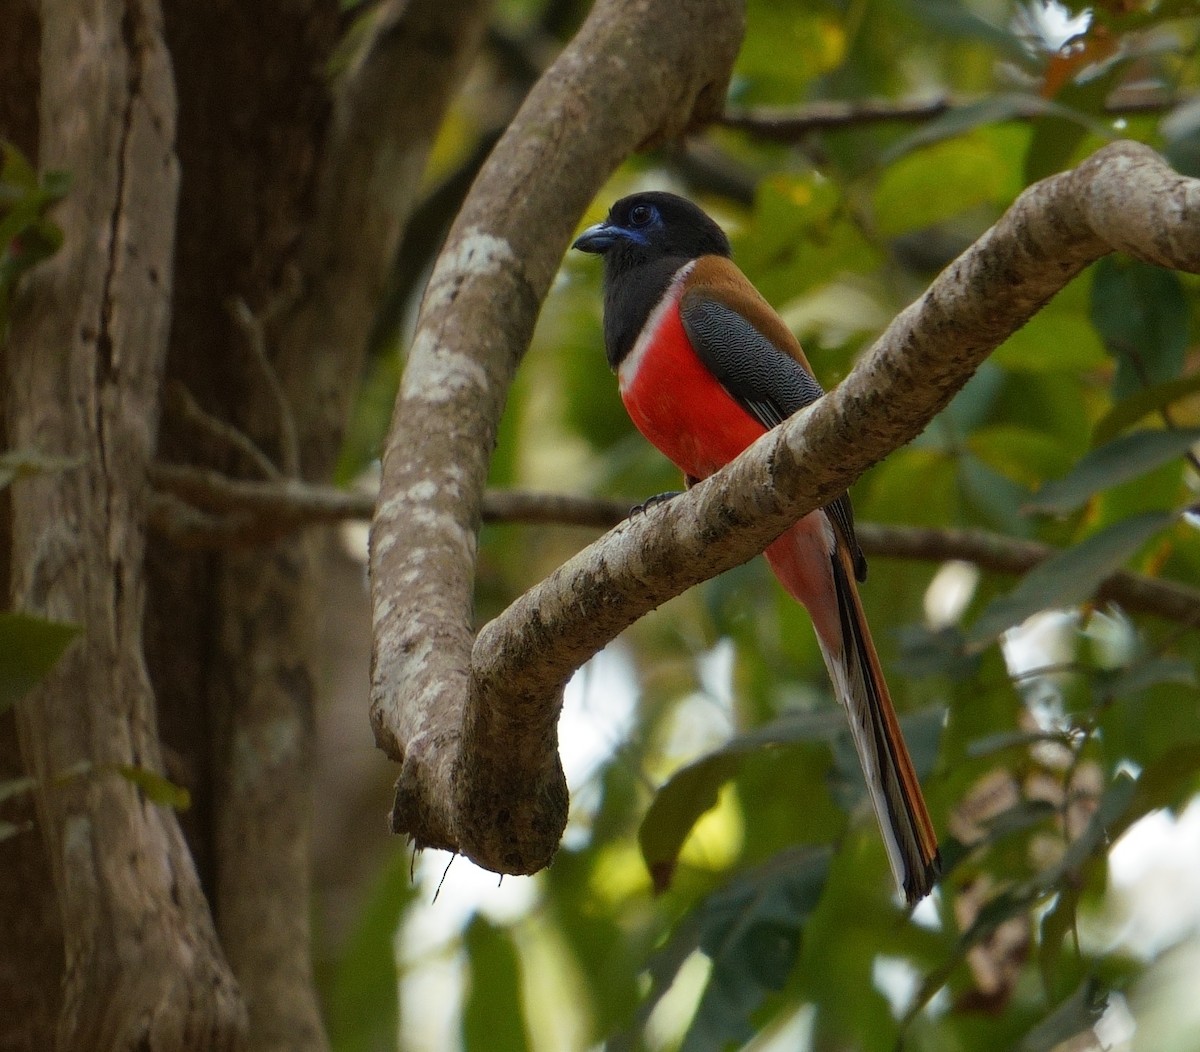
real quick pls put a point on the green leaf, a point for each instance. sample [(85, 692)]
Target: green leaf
[(662, 969), (29, 647), (26, 463), (1142, 314), (1104, 822), (11, 829), (924, 652), (1120, 460), (693, 789), (1131, 410), (15, 168), (362, 1002), (14, 786), (965, 171), (157, 789), (1057, 923), (995, 497), (1170, 781), (751, 931), (1053, 340), (1077, 1013), (922, 731), (1069, 577), (493, 1017), (956, 20), (1020, 453), (1059, 132), (1150, 672), (959, 120)]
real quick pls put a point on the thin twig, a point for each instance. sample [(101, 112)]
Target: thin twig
[(790, 123), (213, 510), (183, 403), (252, 327)]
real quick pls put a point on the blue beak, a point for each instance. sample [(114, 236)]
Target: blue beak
[(599, 239)]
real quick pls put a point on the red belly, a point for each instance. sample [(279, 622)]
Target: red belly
[(679, 406)]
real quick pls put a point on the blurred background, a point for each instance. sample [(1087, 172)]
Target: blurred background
[(717, 890)]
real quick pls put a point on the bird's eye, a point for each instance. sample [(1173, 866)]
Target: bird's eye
[(640, 215)]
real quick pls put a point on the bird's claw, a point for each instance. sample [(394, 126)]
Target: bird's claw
[(650, 502)]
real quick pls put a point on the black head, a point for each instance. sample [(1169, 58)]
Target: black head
[(644, 241), (650, 226)]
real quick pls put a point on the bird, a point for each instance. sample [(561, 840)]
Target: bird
[(705, 367)]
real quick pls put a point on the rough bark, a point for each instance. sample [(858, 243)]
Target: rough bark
[(143, 967), (292, 206), (452, 719), (31, 954), (635, 72)]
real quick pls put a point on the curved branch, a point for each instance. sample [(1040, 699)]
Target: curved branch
[(1123, 198), (636, 72)]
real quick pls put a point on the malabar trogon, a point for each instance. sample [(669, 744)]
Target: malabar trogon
[(706, 367)]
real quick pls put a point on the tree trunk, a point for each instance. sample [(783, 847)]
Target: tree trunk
[(85, 363)]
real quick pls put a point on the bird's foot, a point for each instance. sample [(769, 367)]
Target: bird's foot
[(650, 502)]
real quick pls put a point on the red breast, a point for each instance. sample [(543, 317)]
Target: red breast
[(674, 400)]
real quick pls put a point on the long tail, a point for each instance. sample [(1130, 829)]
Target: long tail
[(854, 668)]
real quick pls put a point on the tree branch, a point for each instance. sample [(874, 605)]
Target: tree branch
[(214, 510), (637, 71), (1123, 198), (791, 123)]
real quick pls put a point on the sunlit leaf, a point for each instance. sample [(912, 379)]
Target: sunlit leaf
[(26, 463), (1120, 460), (156, 788), (693, 790), (1070, 577), (15, 786), (966, 172), (29, 647)]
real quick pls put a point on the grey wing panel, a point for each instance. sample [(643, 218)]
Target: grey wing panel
[(764, 380)]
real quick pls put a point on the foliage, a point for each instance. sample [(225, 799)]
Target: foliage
[(27, 235), (763, 904)]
